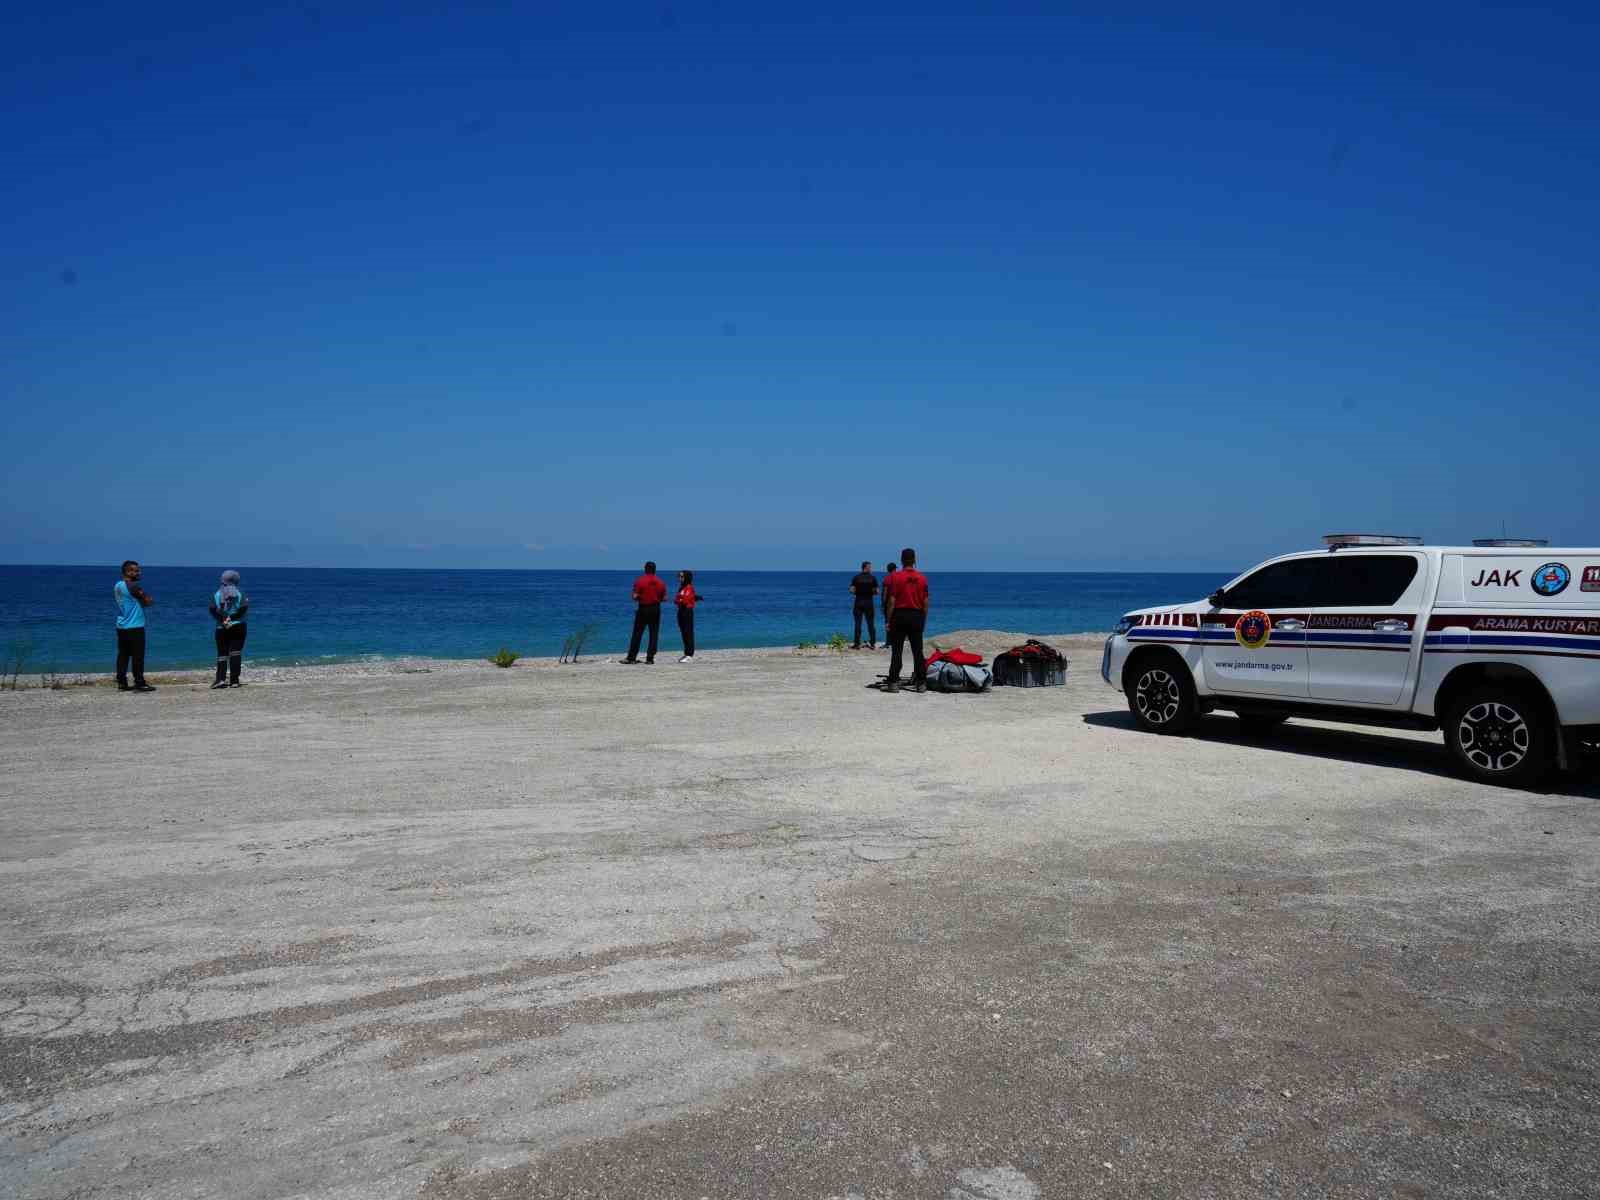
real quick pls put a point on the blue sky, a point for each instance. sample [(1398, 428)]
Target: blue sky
[(509, 285)]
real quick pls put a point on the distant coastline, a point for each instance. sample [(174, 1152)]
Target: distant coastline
[(986, 642)]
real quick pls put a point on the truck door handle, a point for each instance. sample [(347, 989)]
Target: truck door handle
[(1289, 625), (1391, 627)]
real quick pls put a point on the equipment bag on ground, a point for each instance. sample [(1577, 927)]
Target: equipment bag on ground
[(946, 676), (1032, 664), (962, 658)]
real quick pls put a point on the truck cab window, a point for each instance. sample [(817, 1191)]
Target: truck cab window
[(1360, 580), (1280, 585)]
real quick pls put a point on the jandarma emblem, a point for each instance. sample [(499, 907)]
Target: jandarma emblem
[(1253, 629), (1551, 579)]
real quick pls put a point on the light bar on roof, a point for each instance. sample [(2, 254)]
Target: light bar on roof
[(1334, 540), (1510, 541)]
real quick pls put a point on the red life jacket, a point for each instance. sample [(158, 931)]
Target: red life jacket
[(962, 658), (1033, 648)]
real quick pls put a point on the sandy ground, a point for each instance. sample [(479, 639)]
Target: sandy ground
[(751, 928)]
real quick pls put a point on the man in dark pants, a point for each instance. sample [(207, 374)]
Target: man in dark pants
[(131, 601), (865, 587), (888, 570), (908, 617), (648, 593)]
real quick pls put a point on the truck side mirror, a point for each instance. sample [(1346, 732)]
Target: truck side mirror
[(1219, 597)]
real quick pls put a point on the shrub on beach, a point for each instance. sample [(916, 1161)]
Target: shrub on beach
[(504, 657), (836, 643)]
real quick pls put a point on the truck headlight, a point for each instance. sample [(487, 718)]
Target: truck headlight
[(1123, 626)]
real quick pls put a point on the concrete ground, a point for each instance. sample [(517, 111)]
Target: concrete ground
[(749, 928)]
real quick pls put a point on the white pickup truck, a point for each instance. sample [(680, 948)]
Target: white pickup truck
[(1497, 643)]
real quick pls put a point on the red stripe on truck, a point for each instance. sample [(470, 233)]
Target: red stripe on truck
[(1516, 623)]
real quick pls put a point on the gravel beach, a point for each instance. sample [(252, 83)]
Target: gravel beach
[(751, 928)]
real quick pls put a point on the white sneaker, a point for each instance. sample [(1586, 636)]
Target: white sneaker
[(687, 658)]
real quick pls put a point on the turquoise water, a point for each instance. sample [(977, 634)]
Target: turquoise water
[(302, 615)]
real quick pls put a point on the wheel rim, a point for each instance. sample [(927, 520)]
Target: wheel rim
[(1157, 696), (1494, 736)]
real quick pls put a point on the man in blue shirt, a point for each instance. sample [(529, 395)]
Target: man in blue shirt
[(131, 600)]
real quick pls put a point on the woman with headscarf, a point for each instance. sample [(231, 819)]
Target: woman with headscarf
[(229, 605)]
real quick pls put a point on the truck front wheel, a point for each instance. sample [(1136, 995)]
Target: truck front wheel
[(1160, 692), (1500, 735)]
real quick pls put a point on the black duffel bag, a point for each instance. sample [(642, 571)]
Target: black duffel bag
[(1032, 664)]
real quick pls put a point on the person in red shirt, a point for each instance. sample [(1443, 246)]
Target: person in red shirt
[(907, 590), (686, 600), (648, 593), (888, 570)]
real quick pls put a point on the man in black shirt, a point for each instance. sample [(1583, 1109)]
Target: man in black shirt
[(865, 587)]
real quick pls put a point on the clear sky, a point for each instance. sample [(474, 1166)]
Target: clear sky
[(764, 286)]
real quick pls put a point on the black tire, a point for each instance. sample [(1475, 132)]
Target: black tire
[(1260, 724), (1160, 692), (1501, 735)]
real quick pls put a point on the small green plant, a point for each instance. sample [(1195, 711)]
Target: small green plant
[(838, 644), (504, 657), (802, 647)]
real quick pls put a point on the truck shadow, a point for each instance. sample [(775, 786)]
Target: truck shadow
[(1373, 747)]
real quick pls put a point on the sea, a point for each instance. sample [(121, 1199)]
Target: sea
[(62, 618)]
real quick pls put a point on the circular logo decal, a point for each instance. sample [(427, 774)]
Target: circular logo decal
[(1253, 629), (1551, 579)]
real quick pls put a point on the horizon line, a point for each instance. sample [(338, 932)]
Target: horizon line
[(623, 570)]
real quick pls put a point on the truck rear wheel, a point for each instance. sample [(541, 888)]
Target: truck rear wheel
[(1500, 735), (1160, 692)]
